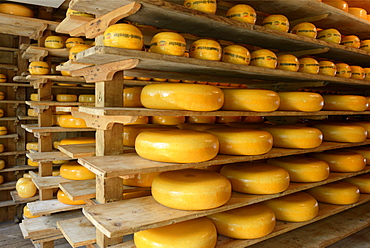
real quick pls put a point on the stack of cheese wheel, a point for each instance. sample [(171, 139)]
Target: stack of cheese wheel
[(345, 102), (191, 189), (342, 161), (250, 222), (290, 136), (256, 177), (68, 121), (361, 181), (365, 124), (177, 146), (251, 100), (86, 98), (141, 179), (201, 119), (25, 188), (63, 198), (297, 207), (130, 132), (200, 126), (300, 101), (237, 141), (167, 120), (197, 233), (363, 150), (342, 132), (303, 169), (182, 97), (77, 140), (74, 171), (32, 146), (340, 193), (131, 97)]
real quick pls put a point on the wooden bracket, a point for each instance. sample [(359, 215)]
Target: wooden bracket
[(309, 19), (100, 121), (40, 108), (39, 83), (99, 25), (307, 52), (39, 135), (39, 31), (100, 73), (40, 56)]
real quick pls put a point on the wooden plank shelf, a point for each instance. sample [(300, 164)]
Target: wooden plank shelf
[(8, 119), (8, 66), (19, 168), (125, 217), (9, 136), (50, 207), (78, 231), (51, 182), (7, 186), (131, 163), (41, 52), (46, 226), (47, 156), (15, 84), (56, 78), (166, 15), (36, 129), (55, 103), (166, 66), (85, 150), (13, 153), (27, 118), (12, 101), (7, 203), (17, 199)]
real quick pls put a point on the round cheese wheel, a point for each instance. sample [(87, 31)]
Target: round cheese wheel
[(191, 189), (63, 198), (303, 169), (364, 151), (77, 140), (297, 207), (256, 178), (76, 49), (201, 119), (361, 181), (66, 98), (276, 22), (169, 43), (3, 130), (86, 98), (32, 146), (235, 141), (131, 97), (34, 97), (340, 193), (205, 49), (182, 97), (251, 100), (365, 124), (60, 161), (55, 120), (343, 70), (289, 136), (359, 12), (39, 68), (236, 54), (32, 163), (197, 233), (53, 41), (27, 213), (342, 132), (16, 9), (300, 101), (3, 78), (78, 13), (130, 132), (69, 121), (26, 188), (141, 179), (74, 171), (345, 102), (32, 112), (228, 119), (2, 164), (56, 144), (242, 13), (199, 126), (167, 120), (342, 161), (139, 120), (177, 146), (1, 179), (123, 35), (72, 41), (250, 222), (368, 97)]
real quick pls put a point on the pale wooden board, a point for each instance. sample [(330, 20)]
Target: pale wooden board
[(55, 103), (9, 136), (79, 189), (131, 163), (50, 3), (56, 78), (78, 150), (11, 101), (51, 182), (8, 118), (72, 22), (12, 153), (33, 128), (7, 203), (19, 168), (78, 231), (132, 215), (45, 226), (32, 51), (7, 186), (50, 206), (46, 239), (17, 199), (47, 156)]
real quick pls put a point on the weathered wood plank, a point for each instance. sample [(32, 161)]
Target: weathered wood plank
[(47, 156), (78, 231), (78, 150), (51, 182), (55, 103), (56, 78), (7, 186), (17, 199), (79, 189), (50, 206), (35, 129)]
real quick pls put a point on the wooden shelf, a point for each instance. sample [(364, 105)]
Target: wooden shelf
[(15, 84), (8, 66), (50, 207), (27, 118), (51, 182), (32, 52), (17, 199), (12, 101), (47, 156), (9, 136), (19, 168), (179, 18), (7, 185), (134, 215), (14, 153), (8, 119), (36, 129), (7, 203), (156, 65), (85, 150), (78, 231), (55, 103), (131, 163), (56, 78)]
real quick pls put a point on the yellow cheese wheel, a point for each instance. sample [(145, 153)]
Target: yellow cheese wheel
[(309, 65), (69, 121), (236, 54), (301, 101), (86, 98), (250, 222), (199, 126), (60, 161), (16, 9), (201, 119), (342, 161), (365, 124), (276, 22), (342, 132), (32, 146), (303, 169), (131, 97), (345, 102), (197, 233), (251, 100), (34, 97), (340, 193), (26, 188), (130, 132), (2, 147), (237, 141), (3, 130), (228, 119), (72, 41), (74, 171), (177, 146), (63, 198), (289, 136), (77, 140), (31, 112), (66, 98), (55, 119), (191, 189), (3, 78), (139, 120), (141, 179), (205, 49), (78, 13), (76, 49), (167, 120), (27, 176), (264, 58), (32, 163), (204, 6), (27, 213), (256, 177), (297, 207), (1, 179), (361, 181), (123, 35), (2, 164), (359, 12), (169, 43), (242, 13), (363, 150), (53, 41), (1, 113), (56, 144), (39, 68), (182, 97)]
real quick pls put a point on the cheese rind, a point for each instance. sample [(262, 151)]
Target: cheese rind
[(63, 198), (345, 102), (342, 132), (361, 181), (342, 161), (300, 101), (74, 171)]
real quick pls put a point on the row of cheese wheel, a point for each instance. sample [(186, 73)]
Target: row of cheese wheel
[(68, 97)]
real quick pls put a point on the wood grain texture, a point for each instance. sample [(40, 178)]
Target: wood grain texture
[(51, 182), (50, 206), (78, 231), (47, 156)]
